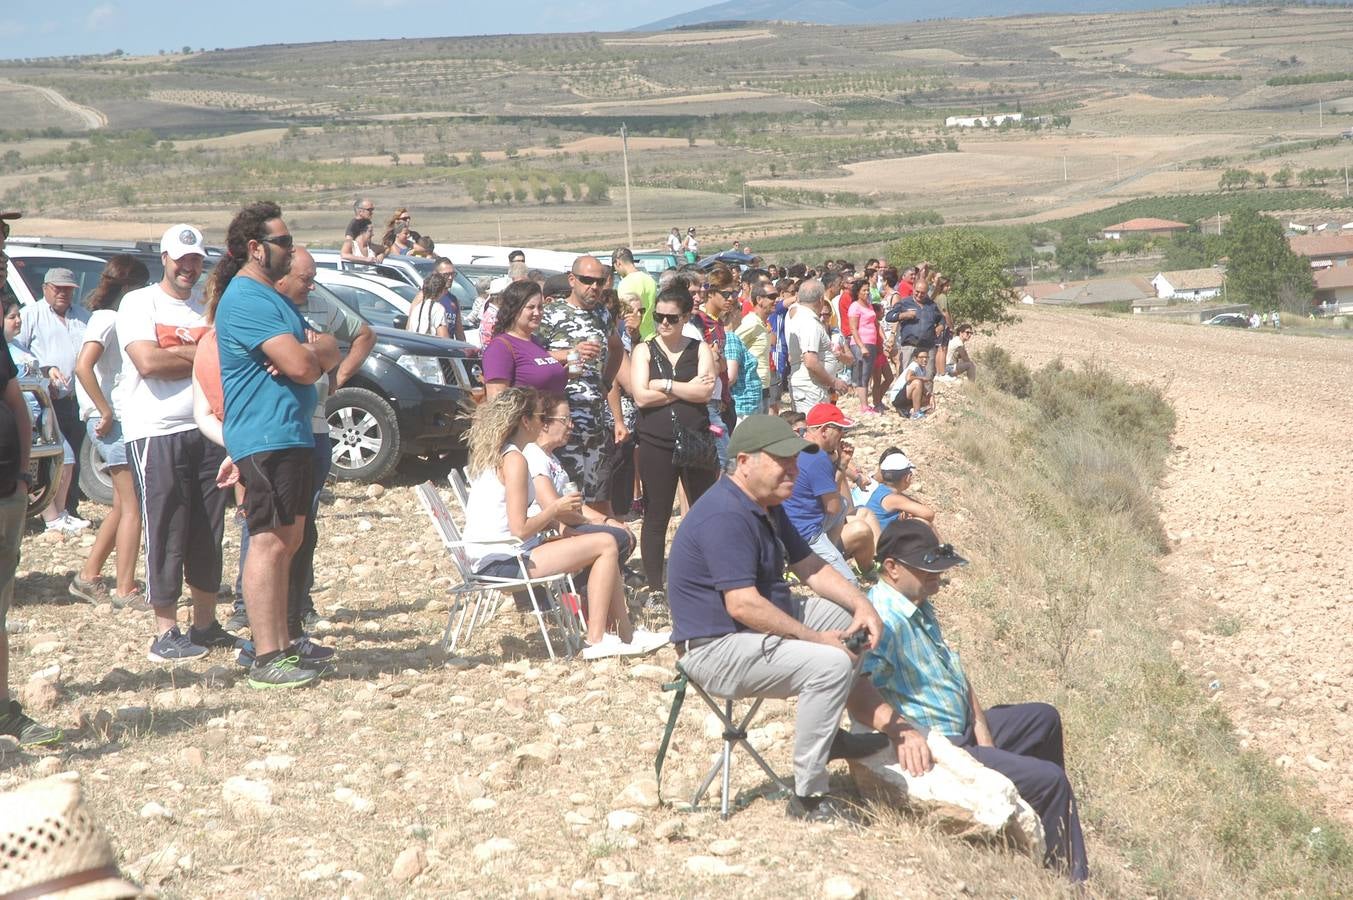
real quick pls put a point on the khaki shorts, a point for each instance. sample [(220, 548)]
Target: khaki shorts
[(13, 518)]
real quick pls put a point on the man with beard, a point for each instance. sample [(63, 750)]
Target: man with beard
[(269, 366)]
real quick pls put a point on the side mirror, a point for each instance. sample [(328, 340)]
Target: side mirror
[(400, 322)]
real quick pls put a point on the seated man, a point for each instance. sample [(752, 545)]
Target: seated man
[(816, 508), (738, 630), (924, 686)]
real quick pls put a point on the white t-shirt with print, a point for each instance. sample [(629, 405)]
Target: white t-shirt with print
[(804, 334), (102, 330), (538, 462), (153, 407)]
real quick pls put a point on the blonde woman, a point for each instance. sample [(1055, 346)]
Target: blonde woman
[(499, 510)]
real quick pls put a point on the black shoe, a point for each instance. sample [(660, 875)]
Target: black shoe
[(633, 579), (309, 621), (655, 600), (857, 746), (213, 636), (15, 723), (816, 809)]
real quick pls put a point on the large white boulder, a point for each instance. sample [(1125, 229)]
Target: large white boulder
[(963, 796)]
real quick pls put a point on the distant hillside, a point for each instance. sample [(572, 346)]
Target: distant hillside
[(865, 12)]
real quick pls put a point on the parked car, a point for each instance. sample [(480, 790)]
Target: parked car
[(654, 262), (147, 252), (487, 255), (380, 301), (1230, 320), (409, 269), (29, 265), (44, 460)]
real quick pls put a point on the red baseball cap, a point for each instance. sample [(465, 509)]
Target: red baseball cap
[(827, 414)]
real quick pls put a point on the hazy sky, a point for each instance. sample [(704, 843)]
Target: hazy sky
[(44, 28)]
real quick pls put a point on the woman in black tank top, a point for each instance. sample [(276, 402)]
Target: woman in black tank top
[(673, 378)]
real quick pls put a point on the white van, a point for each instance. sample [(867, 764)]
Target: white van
[(485, 255), (29, 265)]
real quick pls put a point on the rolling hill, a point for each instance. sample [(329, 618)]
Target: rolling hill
[(864, 12)]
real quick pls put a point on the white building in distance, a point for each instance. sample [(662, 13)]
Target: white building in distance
[(982, 121)]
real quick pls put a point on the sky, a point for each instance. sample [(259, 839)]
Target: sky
[(31, 28)]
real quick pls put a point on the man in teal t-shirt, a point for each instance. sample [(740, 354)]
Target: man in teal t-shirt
[(269, 366)]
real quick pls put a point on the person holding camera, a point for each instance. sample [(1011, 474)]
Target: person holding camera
[(738, 629)]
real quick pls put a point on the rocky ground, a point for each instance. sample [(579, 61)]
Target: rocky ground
[(1257, 504), (409, 774)]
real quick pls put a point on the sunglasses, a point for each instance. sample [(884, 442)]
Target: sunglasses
[(942, 553), (285, 241), (666, 318), (589, 280), (555, 419)]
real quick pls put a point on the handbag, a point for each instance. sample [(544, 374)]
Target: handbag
[(691, 448)]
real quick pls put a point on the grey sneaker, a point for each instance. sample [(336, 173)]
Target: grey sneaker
[(94, 591), (213, 636), (283, 672), (135, 600), (174, 646), (15, 723), (239, 620)]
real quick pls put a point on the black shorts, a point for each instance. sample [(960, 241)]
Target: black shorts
[(278, 487)]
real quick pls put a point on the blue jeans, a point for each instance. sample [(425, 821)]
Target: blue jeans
[(715, 408), (299, 603)]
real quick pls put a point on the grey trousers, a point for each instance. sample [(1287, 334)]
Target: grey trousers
[(751, 664)]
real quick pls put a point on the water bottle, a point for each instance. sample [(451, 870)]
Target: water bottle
[(570, 488), (575, 362)]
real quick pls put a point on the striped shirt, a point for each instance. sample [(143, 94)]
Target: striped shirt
[(914, 669)]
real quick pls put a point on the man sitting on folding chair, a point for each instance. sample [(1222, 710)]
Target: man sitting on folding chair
[(738, 629)]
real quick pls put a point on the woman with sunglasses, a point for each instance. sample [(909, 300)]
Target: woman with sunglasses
[(502, 497), (513, 358), (672, 379)]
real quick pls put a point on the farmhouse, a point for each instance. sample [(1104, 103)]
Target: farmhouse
[(1138, 227), (1325, 249), (1334, 285), (1189, 284), (982, 121)]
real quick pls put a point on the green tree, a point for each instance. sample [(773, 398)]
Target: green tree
[(1263, 271), (1188, 251), (982, 292), (541, 190), (1075, 256)]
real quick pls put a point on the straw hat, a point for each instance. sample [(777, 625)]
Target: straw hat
[(50, 846)]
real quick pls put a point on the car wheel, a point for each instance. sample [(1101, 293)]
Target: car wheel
[(365, 434), (45, 472), (94, 481)]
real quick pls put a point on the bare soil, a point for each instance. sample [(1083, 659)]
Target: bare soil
[(1257, 504)]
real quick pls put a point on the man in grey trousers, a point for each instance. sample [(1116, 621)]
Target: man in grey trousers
[(738, 629)]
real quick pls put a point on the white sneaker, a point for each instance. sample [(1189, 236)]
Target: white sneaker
[(60, 524), (610, 645), (76, 522), (645, 641)]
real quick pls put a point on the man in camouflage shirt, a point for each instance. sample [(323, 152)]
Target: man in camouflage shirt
[(579, 323)]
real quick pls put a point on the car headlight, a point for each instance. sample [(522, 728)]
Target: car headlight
[(424, 368)]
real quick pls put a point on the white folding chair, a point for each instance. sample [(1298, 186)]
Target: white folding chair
[(473, 606), (460, 489)]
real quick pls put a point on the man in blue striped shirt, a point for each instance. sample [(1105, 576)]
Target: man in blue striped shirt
[(924, 687)]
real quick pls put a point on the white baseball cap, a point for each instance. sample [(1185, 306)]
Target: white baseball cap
[(182, 239), (895, 463)]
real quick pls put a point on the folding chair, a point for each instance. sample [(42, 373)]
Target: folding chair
[(734, 733), (460, 489), (472, 606)]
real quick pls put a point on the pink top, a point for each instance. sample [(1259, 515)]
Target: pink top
[(867, 329)]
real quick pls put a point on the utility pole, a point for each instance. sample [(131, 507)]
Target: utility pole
[(744, 199), (1218, 224), (625, 153), (1321, 106), (1118, 166), (500, 231), (1063, 168), (1345, 179)]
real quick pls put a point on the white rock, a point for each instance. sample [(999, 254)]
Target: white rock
[(482, 804), (712, 866), (153, 810), (538, 755), (494, 848), (839, 887), (957, 790), (647, 672), (48, 765), (623, 820), (725, 847), (43, 648), (320, 872), (642, 792), (353, 800), (246, 797)]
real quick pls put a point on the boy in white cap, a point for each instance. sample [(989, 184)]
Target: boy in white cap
[(173, 465)]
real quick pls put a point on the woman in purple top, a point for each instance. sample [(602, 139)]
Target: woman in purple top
[(513, 358)]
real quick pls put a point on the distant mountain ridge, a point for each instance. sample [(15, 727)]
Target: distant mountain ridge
[(866, 12)]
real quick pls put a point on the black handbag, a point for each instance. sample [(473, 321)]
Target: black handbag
[(691, 448)]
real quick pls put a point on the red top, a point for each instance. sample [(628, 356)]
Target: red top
[(843, 313)]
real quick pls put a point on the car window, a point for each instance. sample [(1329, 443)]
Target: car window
[(464, 291), (324, 310), (34, 268), (407, 291), (368, 306)]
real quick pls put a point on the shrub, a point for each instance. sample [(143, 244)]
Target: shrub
[(1003, 372)]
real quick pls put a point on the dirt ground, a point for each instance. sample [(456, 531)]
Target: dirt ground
[(1257, 504)]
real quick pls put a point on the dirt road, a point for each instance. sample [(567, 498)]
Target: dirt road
[(90, 117), (1258, 500)]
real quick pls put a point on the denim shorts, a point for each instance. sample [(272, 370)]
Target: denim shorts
[(112, 449)]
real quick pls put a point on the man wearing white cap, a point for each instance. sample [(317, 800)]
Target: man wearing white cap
[(174, 466), (54, 332)]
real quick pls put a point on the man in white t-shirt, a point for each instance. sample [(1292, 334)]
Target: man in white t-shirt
[(811, 379), (173, 465)]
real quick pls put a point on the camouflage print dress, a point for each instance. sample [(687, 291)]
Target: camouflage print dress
[(587, 456)]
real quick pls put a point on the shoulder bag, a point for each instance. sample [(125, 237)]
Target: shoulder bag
[(691, 448)]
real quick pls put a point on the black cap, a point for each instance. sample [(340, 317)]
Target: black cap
[(913, 543), (558, 285)]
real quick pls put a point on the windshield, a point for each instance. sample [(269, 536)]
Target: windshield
[(34, 268), (367, 306)]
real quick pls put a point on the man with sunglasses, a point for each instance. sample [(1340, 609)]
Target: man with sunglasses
[(925, 688), (578, 326)]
